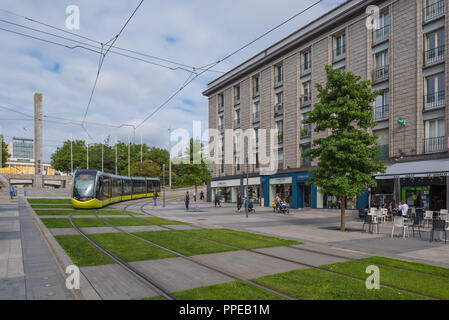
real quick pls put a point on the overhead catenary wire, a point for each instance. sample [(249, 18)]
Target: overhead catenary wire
[(211, 65), (99, 43)]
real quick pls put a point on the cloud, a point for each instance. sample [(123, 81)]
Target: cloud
[(128, 90)]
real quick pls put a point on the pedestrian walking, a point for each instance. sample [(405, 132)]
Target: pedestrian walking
[(194, 196), (239, 202), (155, 198), (187, 200), (202, 196), (217, 200), (11, 192)]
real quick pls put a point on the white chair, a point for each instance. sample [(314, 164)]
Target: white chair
[(384, 214), (380, 216), (399, 223), (373, 211), (428, 217), (443, 211)]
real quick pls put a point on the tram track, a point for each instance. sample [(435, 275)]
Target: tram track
[(304, 264), (130, 269), (202, 264)]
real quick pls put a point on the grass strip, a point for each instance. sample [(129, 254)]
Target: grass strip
[(46, 200), (241, 239), (123, 222), (182, 243), (129, 248), (411, 266), (65, 222), (410, 280), (49, 212), (82, 252), (235, 290), (313, 284), (161, 221), (52, 206)]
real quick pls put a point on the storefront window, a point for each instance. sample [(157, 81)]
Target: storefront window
[(334, 202)]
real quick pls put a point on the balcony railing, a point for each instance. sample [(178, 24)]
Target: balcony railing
[(278, 109), (435, 144), (256, 117), (434, 55), (433, 11), (381, 74), (339, 52), (306, 68), (381, 112), (381, 34), (434, 100), (306, 131), (384, 150)]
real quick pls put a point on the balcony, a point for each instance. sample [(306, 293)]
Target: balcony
[(434, 100), (381, 34), (278, 110), (306, 68), (435, 144), (381, 74), (236, 123), (339, 53), (256, 117), (381, 112), (306, 131), (434, 55), (433, 11), (384, 150)]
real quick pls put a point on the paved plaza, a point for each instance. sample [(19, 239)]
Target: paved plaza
[(29, 269)]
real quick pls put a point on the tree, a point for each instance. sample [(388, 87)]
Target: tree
[(5, 154), (347, 157), (191, 173), (60, 159)]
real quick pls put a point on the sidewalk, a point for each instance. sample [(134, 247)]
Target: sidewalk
[(28, 270)]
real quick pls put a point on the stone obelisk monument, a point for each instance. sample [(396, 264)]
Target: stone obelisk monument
[(38, 181)]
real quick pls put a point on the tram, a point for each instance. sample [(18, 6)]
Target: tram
[(92, 189)]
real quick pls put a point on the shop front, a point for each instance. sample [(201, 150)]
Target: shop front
[(228, 190), (421, 184)]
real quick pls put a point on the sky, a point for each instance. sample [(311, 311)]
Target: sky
[(192, 32)]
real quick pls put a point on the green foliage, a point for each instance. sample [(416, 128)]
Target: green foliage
[(60, 160), (193, 174), (5, 154), (346, 157)]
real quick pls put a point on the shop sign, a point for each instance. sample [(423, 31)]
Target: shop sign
[(286, 180)]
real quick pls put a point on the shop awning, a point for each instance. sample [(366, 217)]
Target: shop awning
[(417, 169)]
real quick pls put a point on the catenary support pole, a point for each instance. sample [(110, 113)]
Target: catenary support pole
[(163, 185)]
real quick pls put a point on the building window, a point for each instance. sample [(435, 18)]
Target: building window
[(280, 131), (279, 74), (237, 118), (435, 47), (339, 47), (280, 158), (383, 33), (220, 102), (306, 62), (256, 113), (433, 9), (237, 94), (435, 136), (220, 123), (256, 132), (307, 97), (306, 131), (278, 108), (382, 106), (384, 143), (381, 72), (434, 96), (305, 162), (255, 86)]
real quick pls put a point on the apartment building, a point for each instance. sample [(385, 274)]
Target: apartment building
[(404, 58)]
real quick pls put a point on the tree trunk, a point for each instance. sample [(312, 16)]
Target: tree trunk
[(343, 218), (195, 198)]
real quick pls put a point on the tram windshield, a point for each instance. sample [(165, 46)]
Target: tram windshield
[(84, 185)]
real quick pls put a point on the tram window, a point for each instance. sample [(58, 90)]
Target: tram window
[(106, 188), (99, 191), (127, 187), (157, 186), (119, 187)]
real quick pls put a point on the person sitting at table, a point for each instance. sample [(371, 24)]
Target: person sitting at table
[(403, 207)]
